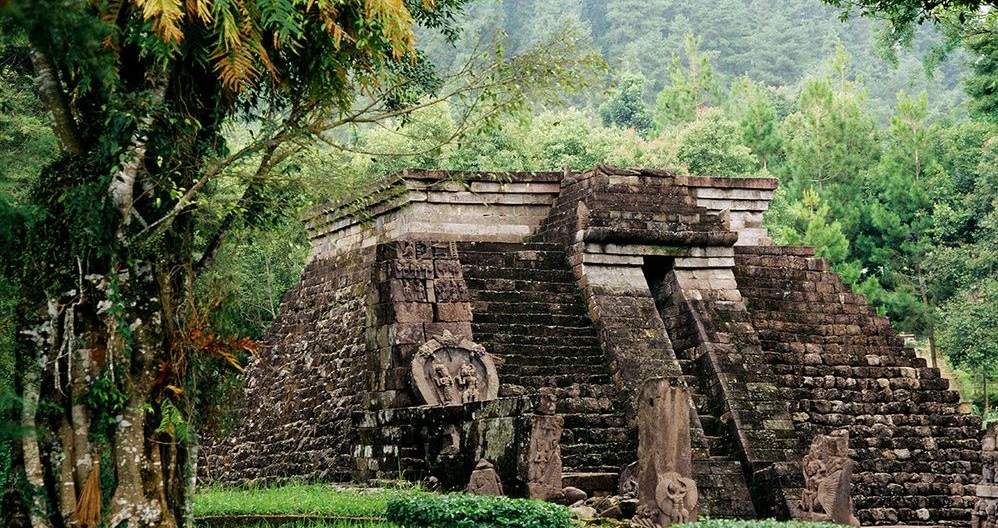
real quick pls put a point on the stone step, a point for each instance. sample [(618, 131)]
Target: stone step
[(534, 260), (476, 284), (552, 368), (570, 306), (526, 327), (508, 296), (536, 319), (718, 446), (578, 362), (543, 276), (507, 247), (540, 382)]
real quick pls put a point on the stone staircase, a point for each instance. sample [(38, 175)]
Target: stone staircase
[(917, 456), (716, 465), (529, 312)]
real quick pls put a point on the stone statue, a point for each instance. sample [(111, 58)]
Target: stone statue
[(666, 492), (827, 494), (544, 469), (467, 380), (484, 480), (444, 383)]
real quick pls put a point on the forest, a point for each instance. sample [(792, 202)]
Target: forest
[(155, 158)]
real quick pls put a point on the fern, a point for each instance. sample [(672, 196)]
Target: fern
[(166, 16)]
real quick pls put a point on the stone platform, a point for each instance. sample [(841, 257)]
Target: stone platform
[(585, 285)]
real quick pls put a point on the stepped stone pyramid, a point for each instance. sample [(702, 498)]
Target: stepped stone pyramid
[(586, 285)]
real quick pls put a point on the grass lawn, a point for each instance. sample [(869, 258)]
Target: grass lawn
[(354, 507), (352, 504)]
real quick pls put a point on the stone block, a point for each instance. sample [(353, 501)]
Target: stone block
[(412, 312), (448, 312)]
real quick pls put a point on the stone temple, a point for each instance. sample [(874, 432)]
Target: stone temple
[(437, 308)]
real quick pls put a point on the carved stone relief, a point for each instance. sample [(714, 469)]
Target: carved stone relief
[(627, 487), (544, 454), (827, 494), (451, 370), (484, 480), (985, 513), (666, 493)]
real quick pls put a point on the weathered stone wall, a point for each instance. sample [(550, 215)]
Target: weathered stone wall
[(310, 374), (416, 443), (918, 456)]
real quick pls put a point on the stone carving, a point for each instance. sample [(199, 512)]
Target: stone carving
[(628, 485), (544, 454), (666, 493), (413, 269), (450, 370), (985, 513), (419, 249), (484, 479), (827, 494), (444, 383), (408, 290), (467, 380), (449, 290), (676, 497), (448, 269)]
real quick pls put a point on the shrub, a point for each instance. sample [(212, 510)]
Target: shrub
[(459, 510)]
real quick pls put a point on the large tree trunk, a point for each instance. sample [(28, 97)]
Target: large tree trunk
[(34, 471)]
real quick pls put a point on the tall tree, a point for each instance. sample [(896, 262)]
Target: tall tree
[(138, 92), (625, 107), (692, 87)]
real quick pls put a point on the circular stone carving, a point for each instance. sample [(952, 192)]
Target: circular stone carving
[(450, 370)]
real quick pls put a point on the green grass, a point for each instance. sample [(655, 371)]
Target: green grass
[(313, 499)]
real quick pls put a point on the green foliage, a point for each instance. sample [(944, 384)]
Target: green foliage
[(625, 107), (832, 136), (806, 222), (26, 140), (417, 142), (711, 146), (304, 523), (106, 400), (474, 511), (692, 86), (567, 138), (981, 40), (968, 334), (755, 109)]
